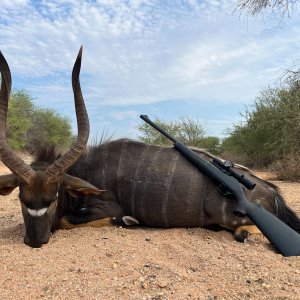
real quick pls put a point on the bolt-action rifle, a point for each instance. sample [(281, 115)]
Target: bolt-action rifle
[(283, 237)]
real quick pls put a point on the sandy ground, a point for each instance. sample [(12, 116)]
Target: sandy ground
[(143, 263)]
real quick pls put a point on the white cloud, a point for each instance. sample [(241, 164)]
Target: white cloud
[(142, 51), (13, 4), (202, 60)]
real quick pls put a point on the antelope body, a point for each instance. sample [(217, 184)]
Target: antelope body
[(120, 182)]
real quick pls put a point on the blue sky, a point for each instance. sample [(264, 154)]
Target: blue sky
[(162, 58)]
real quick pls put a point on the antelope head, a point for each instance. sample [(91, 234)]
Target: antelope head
[(39, 188)]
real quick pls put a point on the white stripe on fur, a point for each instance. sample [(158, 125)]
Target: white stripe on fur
[(37, 212)]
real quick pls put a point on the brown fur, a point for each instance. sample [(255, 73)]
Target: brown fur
[(158, 187), (97, 223)]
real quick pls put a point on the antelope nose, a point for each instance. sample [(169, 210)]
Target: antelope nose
[(35, 243)]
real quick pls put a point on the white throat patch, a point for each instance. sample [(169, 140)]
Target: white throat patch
[(37, 212)]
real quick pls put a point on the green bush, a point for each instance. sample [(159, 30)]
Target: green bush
[(49, 128), (186, 130), (287, 168), (271, 129), (28, 126), (19, 119)]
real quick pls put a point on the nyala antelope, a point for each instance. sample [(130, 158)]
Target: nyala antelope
[(120, 182)]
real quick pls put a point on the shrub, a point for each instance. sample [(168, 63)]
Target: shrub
[(287, 168)]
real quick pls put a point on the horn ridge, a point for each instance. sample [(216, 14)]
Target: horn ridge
[(61, 165), (4, 93), (8, 157)]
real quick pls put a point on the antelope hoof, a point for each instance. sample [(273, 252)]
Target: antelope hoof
[(126, 221), (241, 233), (241, 236), (130, 221)]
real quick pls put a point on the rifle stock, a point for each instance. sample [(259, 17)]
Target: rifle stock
[(284, 238)]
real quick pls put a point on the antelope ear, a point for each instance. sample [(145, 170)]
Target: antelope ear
[(8, 183), (78, 187)]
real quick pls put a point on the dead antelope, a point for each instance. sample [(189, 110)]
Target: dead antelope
[(122, 181)]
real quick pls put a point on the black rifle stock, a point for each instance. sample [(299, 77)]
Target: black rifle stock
[(284, 238)]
